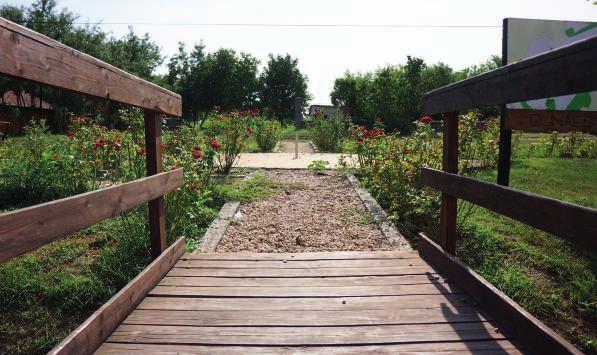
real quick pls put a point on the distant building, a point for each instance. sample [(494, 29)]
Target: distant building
[(327, 110), (20, 108)]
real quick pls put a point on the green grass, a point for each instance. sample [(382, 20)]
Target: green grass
[(554, 280)]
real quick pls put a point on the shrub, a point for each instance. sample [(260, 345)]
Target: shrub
[(232, 131), (267, 133), (326, 132)]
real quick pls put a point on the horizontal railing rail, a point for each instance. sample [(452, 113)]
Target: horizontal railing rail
[(566, 70), (26, 54), (572, 222), (29, 228)]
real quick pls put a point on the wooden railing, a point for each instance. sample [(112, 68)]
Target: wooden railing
[(25, 54), (567, 70)]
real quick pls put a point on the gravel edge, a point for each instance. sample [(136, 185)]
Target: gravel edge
[(218, 227), (388, 229)]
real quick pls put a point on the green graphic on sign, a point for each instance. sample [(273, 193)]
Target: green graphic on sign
[(528, 37)]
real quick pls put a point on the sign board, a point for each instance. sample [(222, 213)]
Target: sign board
[(528, 37)]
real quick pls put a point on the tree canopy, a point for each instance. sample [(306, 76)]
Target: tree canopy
[(394, 93)]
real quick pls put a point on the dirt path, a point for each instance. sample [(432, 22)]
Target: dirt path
[(311, 213), (288, 147)]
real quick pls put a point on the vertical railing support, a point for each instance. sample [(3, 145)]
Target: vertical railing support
[(153, 150), (449, 164)]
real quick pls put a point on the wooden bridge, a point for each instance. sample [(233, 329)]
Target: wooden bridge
[(340, 302)]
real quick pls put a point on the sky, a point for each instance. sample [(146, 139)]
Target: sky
[(325, 53)]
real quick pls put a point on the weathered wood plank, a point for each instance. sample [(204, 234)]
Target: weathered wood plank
[(439, 348), (336, 303), (89, 335), (310, 291), (528, 330), (449, 204), (325, 255), (153, 147), (306, 335), (572, 222), (302, 282), (566, 70), (551, 120), (29, 55), (298, 264), (303, 318), (29, 228), (374, 271)]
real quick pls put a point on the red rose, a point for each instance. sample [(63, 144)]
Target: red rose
[(71, 134), (196, 149), (214, 144), (426, 119), (198, 155), (141, 151)]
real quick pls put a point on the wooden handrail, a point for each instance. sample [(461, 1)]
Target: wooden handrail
[(29, 228), (29, 55), (528, 330), (572, 222), (566, 70)]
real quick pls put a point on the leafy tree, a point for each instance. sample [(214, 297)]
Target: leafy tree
[(281, 83), (137, 55), (394, 93)]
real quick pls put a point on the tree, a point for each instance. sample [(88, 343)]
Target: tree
[(137, 55), (281, 83)]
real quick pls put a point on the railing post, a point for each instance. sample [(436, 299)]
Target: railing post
[(153, 149), (450, 165)]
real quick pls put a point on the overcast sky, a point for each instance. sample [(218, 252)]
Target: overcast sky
[(326, 53)]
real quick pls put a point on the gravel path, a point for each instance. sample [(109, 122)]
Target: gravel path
[(310, 213)]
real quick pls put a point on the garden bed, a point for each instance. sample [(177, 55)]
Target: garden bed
[(308, 213)]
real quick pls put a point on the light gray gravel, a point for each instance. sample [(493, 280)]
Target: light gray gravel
[(314, 213)]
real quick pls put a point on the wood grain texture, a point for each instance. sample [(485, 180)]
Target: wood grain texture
[(29, 55), (298, 264), (311, 291), (528, 330), (492, 347), (574, 223), (306, 303), (303, 281), (551, 120), (449, 204), (304, 318), (300, 273), (566, 70), (324, 255), (29, 228), (89, 335), (306, 335), (153, 149)]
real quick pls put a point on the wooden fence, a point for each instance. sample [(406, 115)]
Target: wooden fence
[(25, 54), (567, 70)]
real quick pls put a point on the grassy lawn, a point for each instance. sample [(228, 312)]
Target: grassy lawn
[(554, 280)]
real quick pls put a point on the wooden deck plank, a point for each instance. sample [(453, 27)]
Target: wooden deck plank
[(324, 255), (333, 303), (302, 282), (374, 271), (306, 335), (304, 318), (442, 348), (299, 264), (317, 291)]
